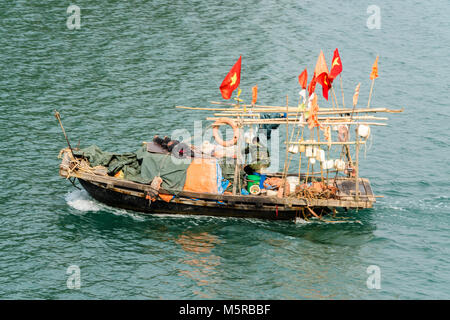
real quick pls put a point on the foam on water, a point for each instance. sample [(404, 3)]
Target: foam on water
[(80, 200)]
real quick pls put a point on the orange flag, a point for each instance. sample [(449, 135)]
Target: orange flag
[(374, 73), (232, 80), (254, 94), (322, 76), (356, 95), (313, 120), (321, 65), (303, 79)]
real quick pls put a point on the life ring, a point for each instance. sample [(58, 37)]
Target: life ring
[(217, 137)]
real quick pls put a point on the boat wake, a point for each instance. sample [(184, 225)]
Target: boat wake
[(300, 221), (80, 200)]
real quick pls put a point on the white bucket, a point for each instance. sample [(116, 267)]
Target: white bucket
[(293, 149), (293, 181), (330, 164), (321, 155), (308, 151), (339, 164)]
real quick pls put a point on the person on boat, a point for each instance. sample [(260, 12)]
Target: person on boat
[(177, 148), (260, 156), (269, 127)]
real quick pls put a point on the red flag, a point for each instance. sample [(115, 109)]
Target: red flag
[(232, 80), (336, 65), (254, 94), (312, 85), (325, 81), (321, 72), (303, 79)]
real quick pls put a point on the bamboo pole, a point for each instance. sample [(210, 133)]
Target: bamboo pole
[(247, 122), (58, 117), (315, 143), (342, 91), (287, 151), (370, 94), (320, 162), (238, 159), (294, 109), (357, 167), (221, 115), (332, 100), (335, 98)]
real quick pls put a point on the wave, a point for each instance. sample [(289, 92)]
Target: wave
[(82, 202)]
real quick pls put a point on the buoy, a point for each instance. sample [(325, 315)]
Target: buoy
[(233, 125), (363, 130)]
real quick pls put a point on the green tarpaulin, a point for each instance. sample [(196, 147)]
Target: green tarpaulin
[(141, 166)]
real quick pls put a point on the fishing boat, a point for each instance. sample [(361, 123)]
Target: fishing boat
[(130, 195), (150, 181)]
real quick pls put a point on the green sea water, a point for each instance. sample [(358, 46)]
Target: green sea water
[(116, 81)]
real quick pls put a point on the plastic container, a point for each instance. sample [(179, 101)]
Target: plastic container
[(261, 181), (321, 155), (255, 190), (293, 149), (309, 153), (252, 180), (293, 181)]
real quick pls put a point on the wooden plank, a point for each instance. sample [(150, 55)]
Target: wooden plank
[(226, 198)]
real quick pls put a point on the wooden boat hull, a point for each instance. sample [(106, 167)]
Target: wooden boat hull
[(197, 207), (130, 195)]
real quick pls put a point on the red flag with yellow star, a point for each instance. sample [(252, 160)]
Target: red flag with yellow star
[(321, 72), (232, 80), (325, 81), (336, 65)]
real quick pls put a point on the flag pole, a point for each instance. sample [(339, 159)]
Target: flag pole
[(58, 117), (373, 76), (335, 98), (342, 91), (370, 94)]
